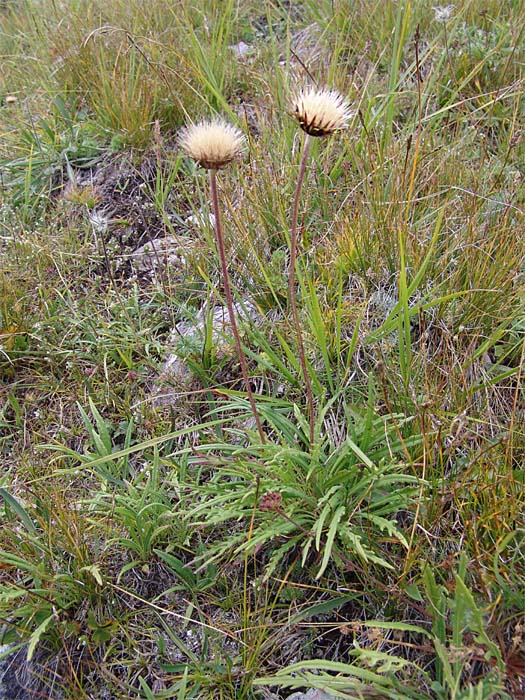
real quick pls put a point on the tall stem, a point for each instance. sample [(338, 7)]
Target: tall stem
[(291, 286), (229, 301)]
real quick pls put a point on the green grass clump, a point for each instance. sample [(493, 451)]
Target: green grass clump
[(366, 538)]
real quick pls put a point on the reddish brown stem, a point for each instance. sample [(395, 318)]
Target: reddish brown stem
[(291, 287), (229, 302)]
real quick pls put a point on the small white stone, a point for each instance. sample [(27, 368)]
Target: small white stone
[(159, 253), (241, 49), (312, 694), (175, 369), (199, 220)]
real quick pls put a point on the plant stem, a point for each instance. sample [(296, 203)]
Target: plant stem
[(291, 287), (229, 301)]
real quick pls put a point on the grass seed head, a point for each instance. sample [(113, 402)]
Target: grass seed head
[(321, 112), (212, 144)]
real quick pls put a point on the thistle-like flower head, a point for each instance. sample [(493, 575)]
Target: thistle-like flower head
[(442, 13), (212, 144), (321, 112)]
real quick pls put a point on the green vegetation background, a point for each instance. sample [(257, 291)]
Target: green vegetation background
[(151, 545)]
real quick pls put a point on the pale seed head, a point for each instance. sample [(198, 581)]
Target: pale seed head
[(212, 144), (321, 112)]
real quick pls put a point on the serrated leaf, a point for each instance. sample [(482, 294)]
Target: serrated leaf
[(385, 525), (402, 626), (36, 636), (414, 593), (328, 546), (318, 527), (467, 615), (380, 660), (94, 571), (8, 594)]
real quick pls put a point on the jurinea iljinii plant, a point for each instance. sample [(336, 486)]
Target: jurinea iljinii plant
[(319, 113), (213, 145)]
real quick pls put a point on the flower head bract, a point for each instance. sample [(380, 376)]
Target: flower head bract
[(321, 112), (212, 144)]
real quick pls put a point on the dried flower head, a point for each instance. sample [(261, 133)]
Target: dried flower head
[(442, 13), (321, 112), (272, 500), (213, 144)]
